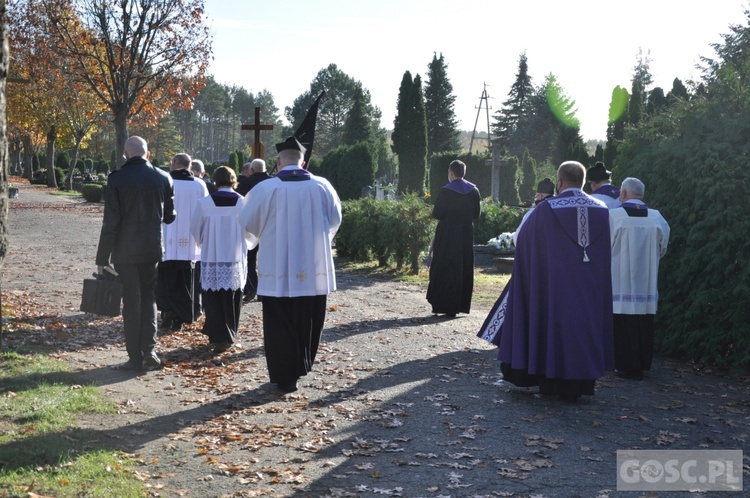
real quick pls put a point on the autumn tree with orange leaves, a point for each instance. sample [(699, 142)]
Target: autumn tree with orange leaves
[(46, 102), (140, 57)]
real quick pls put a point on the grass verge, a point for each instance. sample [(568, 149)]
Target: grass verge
[(488, 282), (41, 450)]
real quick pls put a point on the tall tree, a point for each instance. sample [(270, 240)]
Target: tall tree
[(340, 89), (616, 123), (527, 187), (410, 135), (442, 126), (516, 108), (551, 125), (358, 125), (642, 79), (269, 114), (212, 105), (3, 143), (677, 92), (133, 53), (656, 101)]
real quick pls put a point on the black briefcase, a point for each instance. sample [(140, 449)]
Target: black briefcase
[(101, 295)]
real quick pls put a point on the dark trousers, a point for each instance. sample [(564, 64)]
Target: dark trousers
[(174, 289), (197, 296), (138, 308), (292, 327), (251, 286), (633, 343), (222, 309)]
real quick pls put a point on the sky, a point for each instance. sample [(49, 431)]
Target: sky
[(591, 46)]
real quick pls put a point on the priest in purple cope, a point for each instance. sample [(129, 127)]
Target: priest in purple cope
[(452, 268), (556, 331)]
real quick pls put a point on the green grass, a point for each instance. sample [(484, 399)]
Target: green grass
[(41, 449), (488, 283), (67, 193)]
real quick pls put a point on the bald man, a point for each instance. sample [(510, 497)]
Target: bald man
[(554, 328), (138, 199)]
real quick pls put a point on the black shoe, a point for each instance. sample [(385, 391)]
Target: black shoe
[(288, 387), (629, 375), (151, 362), (129, 365), (570, 398), (167, 318), (220, 347)]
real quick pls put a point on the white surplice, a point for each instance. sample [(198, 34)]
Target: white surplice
[(295, 222), (179, 243), (223, 245), (638, 243)]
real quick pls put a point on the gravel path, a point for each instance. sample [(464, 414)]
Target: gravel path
[(399, 403)]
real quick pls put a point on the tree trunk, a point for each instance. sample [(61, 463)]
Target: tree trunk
[(28, 157), (73, 162), (121, 132), (51, 137), (3, 147)]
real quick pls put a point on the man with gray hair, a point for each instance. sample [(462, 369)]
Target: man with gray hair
[(639, 238), (199, 171), (175, 289), (138, 199)]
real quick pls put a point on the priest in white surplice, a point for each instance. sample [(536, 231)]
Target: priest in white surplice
[(175, 287), (639, 240), (295, 216)]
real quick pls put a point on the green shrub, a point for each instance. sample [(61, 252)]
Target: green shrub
[(356, 171), (495, 219), (388, 230), (411, 231), (92, 192), (353, 239), (102, 166), (40, 177)]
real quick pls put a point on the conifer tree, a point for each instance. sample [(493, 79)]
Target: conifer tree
[(656, 101), (442, 126), (616, 123), (678, 92), (233, 163), (508, 189), (358, 125), (356, 170), (410, 135), (516, 108), (635, 107), (334, 108), (399, 136), (527, 187)]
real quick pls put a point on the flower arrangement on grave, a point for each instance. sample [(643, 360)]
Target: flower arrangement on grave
[(503, 242)]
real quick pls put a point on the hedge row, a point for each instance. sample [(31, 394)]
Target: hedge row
[(397, 231)]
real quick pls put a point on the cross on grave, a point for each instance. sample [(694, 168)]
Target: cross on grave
[(258, 149)]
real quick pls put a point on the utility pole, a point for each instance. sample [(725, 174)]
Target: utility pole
[(484, 98)]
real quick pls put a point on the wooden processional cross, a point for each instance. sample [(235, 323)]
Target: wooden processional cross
[(258, 149)]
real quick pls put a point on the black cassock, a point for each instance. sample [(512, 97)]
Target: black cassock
[(452, 269)]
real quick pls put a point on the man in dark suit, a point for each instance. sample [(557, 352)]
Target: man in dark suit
[(138, 199)]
